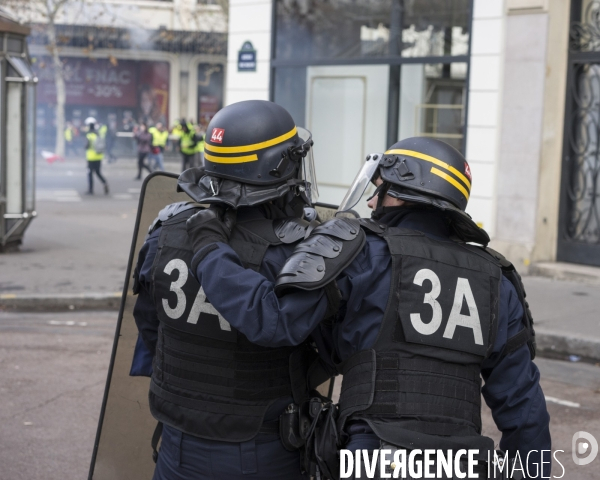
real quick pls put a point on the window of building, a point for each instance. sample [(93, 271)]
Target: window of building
[(362, 75)]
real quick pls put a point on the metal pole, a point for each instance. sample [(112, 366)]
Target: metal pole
[(395, 49)]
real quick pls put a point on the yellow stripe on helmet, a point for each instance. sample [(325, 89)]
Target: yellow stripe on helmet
[(451, 180), (242, 159), (429, 158), (255, 146)]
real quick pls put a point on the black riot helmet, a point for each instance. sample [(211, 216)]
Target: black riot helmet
[(422, 170), (253, 153)]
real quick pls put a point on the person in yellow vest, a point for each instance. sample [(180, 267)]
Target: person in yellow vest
[(94, 153), (70, 134), (160, 135), (200, 144), (187, 142)]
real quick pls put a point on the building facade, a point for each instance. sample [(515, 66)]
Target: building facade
[(131, 61), (511, 83)]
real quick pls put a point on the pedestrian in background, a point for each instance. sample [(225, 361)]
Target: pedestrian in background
[(111, 137), (187, 142), (200, 145), (144, 143), (94, 153), (70, 134), (160, 136)]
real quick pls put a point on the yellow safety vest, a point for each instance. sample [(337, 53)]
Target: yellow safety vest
[(68, 135), (187, 144), (90, 154), (103, 130), (200, 145), (159, 139)]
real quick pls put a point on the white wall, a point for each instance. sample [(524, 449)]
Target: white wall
[(521, 137), (483, 122), (249, 20)]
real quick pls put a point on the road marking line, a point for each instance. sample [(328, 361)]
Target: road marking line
[(564, 403), (68, 323)]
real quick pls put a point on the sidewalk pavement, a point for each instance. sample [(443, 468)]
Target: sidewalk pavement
[(75, 253)]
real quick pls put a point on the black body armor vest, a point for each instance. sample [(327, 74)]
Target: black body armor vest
[(208, 380), (419, 386)]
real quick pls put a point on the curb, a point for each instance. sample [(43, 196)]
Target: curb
[(60, 302), (557, 344), (550, 343), (566, 271)]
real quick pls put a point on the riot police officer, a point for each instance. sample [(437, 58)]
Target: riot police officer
[(218, 395), (423, 313)]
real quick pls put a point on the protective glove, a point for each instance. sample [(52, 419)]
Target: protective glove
[(209, 226)]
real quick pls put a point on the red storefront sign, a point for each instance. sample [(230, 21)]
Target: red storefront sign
[(98, 82)]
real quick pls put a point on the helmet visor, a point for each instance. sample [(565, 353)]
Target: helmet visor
[(360, 183), (307, 169)]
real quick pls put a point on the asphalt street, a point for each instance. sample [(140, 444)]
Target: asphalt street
[(54, 364), (77, 243), (54, 370)]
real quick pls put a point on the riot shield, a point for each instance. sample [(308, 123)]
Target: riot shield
[(122, 448)]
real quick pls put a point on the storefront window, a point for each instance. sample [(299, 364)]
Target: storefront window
[(210, 92), (362, 75), (290, 92), (432, 102), (333, 29)]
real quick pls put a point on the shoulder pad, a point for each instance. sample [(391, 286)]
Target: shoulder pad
[(290, 230), (322, 256), (372, 225), (492, 255), (501, 259), (527, 334), (169, 212)]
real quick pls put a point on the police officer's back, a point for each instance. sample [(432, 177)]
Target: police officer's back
[(218, 395), (423, 314)]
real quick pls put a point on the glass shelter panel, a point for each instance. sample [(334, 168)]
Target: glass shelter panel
[(432, 102), (14, 45), (333, 29), (14, 153), (30, 149), (2, 90), (22, 67)]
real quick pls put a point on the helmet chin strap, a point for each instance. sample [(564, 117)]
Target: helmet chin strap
[(292, 204), (380, 210)]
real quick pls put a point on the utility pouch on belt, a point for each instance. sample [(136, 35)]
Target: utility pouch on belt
[(319, 431), (289, 428)]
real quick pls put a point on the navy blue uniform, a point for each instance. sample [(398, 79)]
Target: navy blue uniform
[(184, 456), (511, 388)]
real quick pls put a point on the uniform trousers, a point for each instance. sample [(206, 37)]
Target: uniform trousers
[(188, 161), (142, 164), (185, 457), (94, 167)]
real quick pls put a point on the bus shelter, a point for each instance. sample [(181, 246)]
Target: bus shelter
[(17, 133)]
